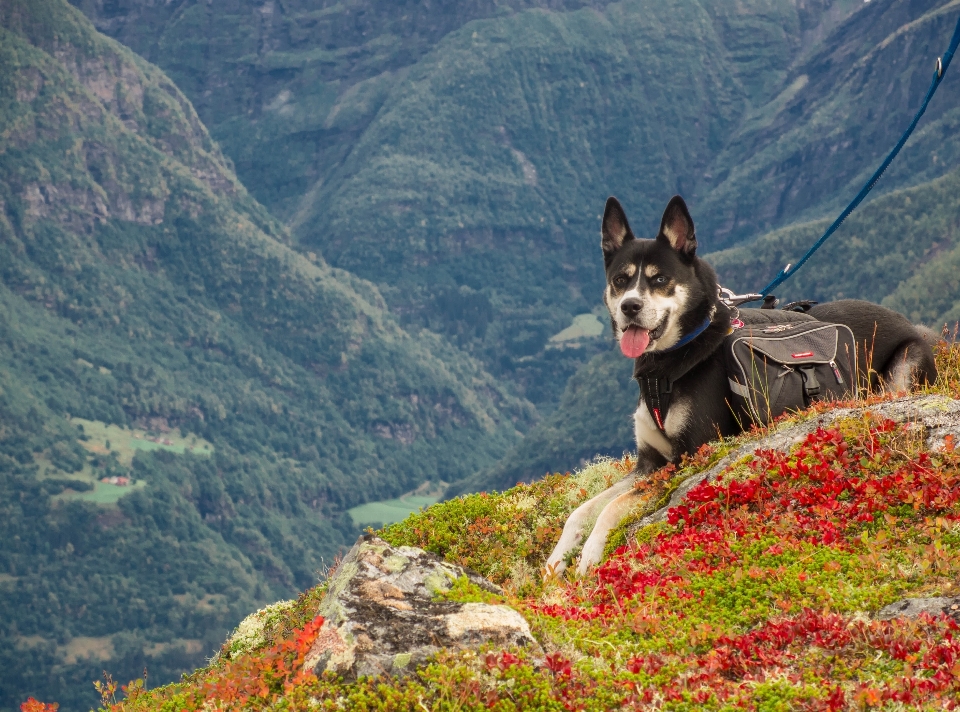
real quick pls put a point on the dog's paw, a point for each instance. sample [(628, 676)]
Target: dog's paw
[(592, 552), (551, 572)]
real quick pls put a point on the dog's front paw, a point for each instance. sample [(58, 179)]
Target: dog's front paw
[(592, 552), (563, 555)]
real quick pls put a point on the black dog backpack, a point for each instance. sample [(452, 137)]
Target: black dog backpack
[(776, 367)]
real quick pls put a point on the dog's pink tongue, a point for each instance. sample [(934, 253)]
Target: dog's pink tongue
[(634, 342)]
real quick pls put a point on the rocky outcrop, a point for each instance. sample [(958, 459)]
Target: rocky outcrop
[(913, 607), (383, 613)]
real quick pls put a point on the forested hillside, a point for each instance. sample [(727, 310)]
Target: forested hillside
[(806, 152), (252, 394)]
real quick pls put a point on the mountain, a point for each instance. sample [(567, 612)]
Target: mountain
[(187, 405), (238, 390), (456, 154), (594, 419)]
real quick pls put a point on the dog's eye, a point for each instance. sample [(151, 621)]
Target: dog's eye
[(620, 281), (660, 280)]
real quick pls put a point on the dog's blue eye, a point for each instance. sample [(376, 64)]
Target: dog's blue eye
[(659, 279)]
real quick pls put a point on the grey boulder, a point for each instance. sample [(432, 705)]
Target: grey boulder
[(913, 607), (383, 615)]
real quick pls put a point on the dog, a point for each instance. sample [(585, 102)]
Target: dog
[(666, 313)]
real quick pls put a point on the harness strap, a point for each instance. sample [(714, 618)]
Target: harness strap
[(656, 393)]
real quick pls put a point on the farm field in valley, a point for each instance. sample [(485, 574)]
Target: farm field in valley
[(390, 511), (102, 441)]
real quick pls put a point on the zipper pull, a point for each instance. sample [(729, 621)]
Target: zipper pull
[(836, 372)]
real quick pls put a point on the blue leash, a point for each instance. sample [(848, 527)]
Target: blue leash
[(938, 75)]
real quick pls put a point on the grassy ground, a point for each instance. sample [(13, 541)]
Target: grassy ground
[(391, 510), (584, 326), (758, 592)]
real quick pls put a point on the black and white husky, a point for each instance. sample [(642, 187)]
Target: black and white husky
[(666, 312)]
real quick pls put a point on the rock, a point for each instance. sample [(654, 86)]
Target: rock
[(913, 607), (382, 613)]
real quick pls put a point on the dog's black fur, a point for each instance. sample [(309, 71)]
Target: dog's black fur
[(661, 287)]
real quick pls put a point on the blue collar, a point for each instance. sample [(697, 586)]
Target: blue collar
[(689, 337)]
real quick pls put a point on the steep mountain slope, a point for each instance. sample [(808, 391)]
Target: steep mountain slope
[(456, 154), (288, 87), (145, 294), (807, 152)]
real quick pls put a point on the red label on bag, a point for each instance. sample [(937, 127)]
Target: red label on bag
[(805, 354)]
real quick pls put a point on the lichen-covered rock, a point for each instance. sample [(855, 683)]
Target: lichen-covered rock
[(913, 607), (383, 613)]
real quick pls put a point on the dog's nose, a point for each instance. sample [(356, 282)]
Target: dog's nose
[(631, 307)]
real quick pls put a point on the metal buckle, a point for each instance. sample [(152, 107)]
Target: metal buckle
[(939, 67), (730, 299)]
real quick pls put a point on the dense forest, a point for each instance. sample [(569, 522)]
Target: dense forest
[(265, 261)]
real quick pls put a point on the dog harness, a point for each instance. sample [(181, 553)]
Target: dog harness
[(656, 392), (771, 367)]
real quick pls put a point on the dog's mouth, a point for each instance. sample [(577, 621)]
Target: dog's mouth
[(634, 341)]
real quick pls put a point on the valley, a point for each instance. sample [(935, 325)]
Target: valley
[(301, 267)]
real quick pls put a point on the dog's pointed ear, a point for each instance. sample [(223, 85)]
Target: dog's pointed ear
[(615, 230), (676, 228)]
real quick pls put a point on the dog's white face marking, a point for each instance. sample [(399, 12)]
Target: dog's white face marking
[(656, 309), (647, 432)]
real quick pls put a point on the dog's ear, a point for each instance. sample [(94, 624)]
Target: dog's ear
[(615, 230), (676, 228)]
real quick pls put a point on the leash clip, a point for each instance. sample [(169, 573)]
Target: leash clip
[(939, 67), (730, 299)]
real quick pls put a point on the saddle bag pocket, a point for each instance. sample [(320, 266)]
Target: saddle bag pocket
[(775, 368)]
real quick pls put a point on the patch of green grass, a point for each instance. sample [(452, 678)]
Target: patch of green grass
[(104, 492), (103, 439), (391, 510), (584, 326)]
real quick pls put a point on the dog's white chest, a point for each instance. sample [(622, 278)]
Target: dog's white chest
[(649, 434)]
